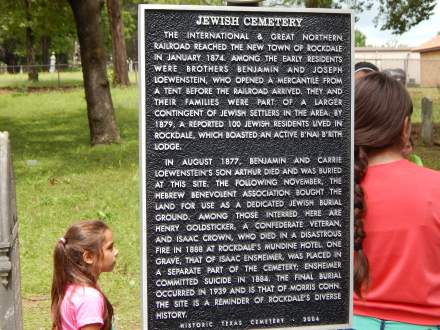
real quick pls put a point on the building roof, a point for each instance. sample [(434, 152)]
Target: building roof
[(429, 46), (383, 49)]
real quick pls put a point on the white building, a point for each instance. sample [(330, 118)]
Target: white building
[(392, 58)]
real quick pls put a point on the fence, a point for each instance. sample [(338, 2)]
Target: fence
[(418, 72), (23, 68), (59, 75)]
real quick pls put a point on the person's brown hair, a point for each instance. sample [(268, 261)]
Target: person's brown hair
[(70, 267), (381, 106)]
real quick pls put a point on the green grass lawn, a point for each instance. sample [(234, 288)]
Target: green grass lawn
[(63, 79), (45, 80), (429, 155), (72, 180)]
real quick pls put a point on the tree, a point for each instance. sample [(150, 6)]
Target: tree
[(8, 53), (27, 26), (102, 123), (401, 15), (30, 42), (118, 44), (359, 38), (318, 3), (130, 15), (55, 29), (396, 15), (16, 18), (307, 3)]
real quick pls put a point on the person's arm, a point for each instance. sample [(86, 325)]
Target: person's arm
[(91, 327)]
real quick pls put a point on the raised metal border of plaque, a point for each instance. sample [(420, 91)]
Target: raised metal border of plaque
[(142, 141), (10, 289)]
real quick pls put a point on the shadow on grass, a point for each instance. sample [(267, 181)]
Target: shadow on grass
[(60, 144)]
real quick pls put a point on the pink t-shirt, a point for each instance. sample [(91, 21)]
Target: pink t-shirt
[(81, 306), (402, 243)]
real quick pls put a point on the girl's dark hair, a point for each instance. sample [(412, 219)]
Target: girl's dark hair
[(365, 66), (381, 106), (70, 268)]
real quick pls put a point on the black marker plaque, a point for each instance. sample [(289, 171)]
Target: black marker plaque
[(246, 141)]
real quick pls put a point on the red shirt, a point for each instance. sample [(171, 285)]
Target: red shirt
[(402, 243)]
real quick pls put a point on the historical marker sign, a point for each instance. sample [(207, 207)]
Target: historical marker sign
[(246, 162)]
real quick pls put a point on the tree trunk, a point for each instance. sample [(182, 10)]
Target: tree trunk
[(10, 57), (11, 61), (30, 41), (102, 123), (118, 43), (45, 43)]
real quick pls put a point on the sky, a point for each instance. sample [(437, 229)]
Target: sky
[(419, 34)]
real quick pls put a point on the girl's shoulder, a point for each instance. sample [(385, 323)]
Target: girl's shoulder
[(403, 169), (77, 293), (82, 305)]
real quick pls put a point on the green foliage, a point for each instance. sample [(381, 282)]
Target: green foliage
[(46, 18), (12, 26), (129, 16), (57, 23), (319, 3), (396, 15), (401, 15), (106, 34), (356, 5), (130, 23), (359, 39)]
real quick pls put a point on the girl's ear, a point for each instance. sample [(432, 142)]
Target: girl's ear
[(406, 131), (88, 257)]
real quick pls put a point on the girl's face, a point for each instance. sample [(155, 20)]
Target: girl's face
[(109, 253)]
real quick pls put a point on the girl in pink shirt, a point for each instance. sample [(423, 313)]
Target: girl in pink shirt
[(80, 256), (397, 216)]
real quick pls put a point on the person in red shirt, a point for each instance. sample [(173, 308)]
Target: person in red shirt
[(397, 216)]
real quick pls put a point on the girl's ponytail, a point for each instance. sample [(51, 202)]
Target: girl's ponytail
[(361, 269), (59, 282), (382, 105)]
